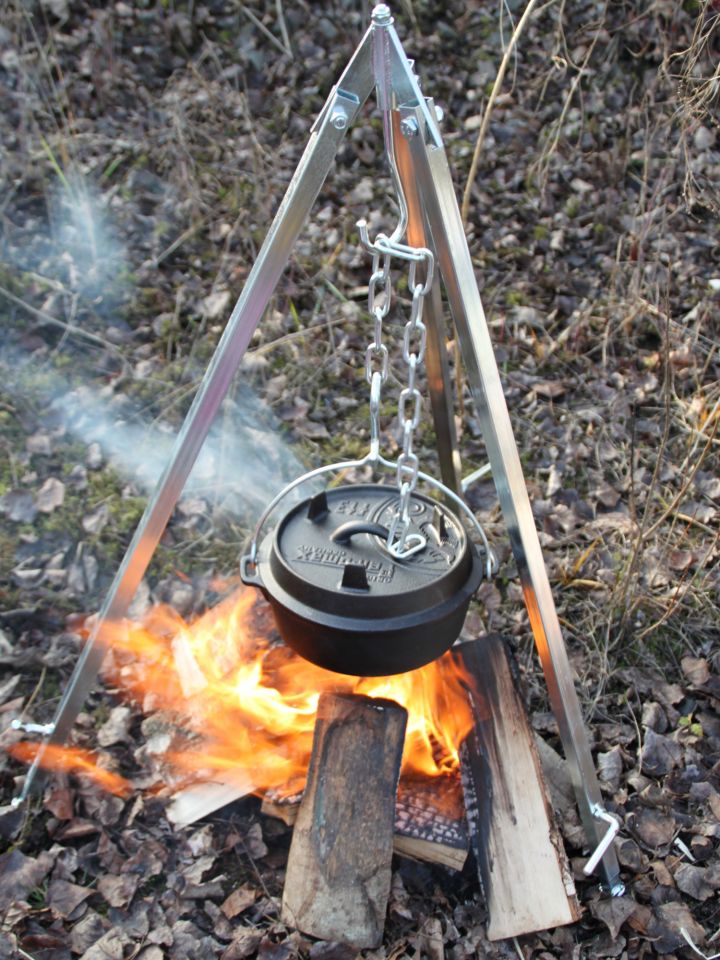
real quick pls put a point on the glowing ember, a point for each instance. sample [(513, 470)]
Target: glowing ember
[(253, 703)]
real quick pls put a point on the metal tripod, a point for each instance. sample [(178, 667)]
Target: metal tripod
[(421, 172)]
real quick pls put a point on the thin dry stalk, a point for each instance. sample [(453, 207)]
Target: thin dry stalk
[(649, 526), (697, 93), (630, 575), (681, 593), (282, 47), (283, 27), (542, 165), (69, 328), (410, 12), (517, 32)]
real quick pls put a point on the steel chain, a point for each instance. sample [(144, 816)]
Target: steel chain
[(377, 351), (400, 543)]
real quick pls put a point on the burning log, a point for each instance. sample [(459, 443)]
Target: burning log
[(522, 865), (338, 873), (430, 822)]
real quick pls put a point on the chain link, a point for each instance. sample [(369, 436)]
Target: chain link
[(375, 393), (400, 542), (376, 355)]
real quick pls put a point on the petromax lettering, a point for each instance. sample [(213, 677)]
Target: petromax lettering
[(327, 556)]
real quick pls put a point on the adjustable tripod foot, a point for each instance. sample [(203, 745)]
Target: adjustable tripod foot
[(615, 887)]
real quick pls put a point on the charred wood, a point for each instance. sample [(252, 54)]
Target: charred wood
[(522, 865), (430, 820), (338, 873)]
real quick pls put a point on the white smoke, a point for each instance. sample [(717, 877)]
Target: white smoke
[(91, 247), (77, 251), (244, 461), (242, 465)]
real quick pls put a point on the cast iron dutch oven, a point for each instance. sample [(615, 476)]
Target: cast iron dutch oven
[(342, 601)]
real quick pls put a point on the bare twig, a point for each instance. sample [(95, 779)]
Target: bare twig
[(263, 29), (710, 421), (685, 487), (69, 328), (543, 161), (631, 572), (697, 94), (283, 27), (679, 595), (179, 241), (491, 103)]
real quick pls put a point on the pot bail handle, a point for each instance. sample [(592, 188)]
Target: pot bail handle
[(347, 530)]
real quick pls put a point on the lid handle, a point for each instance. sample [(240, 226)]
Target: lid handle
[(347, 530)]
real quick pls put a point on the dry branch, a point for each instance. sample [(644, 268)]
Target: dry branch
[(490, 104)]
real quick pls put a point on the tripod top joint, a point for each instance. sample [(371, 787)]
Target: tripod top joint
[(381, 16)]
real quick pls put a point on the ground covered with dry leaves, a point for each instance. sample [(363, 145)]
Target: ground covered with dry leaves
[(146, 146)]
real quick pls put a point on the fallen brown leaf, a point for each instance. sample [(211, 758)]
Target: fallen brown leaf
[(659, 754), (64, 897), (696, 669), (655, 829), (244, 944), (118, 891), (20, 874), (111, 946), (692, 881), (238, 901), (666, 927), (613, 911), (50, 496)]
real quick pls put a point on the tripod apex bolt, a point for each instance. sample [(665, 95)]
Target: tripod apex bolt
[(381, 15)]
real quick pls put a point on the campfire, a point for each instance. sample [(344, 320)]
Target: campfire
[(242, 705), (250, 702), (236, 712)]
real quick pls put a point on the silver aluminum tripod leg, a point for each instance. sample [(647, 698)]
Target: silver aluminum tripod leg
[(340, 110), (436, 359), (449, 243)]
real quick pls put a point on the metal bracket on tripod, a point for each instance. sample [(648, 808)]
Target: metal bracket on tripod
[(420, 170)]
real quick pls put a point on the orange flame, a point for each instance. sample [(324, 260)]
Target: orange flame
[(253, 703), (71, 760)]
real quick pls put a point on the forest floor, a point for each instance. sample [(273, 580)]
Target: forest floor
[(146, 147)]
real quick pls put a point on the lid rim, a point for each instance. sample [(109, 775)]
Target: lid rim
[(419, 592)]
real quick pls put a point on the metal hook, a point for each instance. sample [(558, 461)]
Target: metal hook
[(383, 78)]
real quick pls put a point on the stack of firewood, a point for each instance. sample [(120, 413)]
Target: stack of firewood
[(352, 816)]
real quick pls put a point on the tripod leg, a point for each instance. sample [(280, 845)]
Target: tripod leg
[(443, 214), (436, 358), (348, 96)]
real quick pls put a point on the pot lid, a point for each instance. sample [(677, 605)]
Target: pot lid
[(329, 553)]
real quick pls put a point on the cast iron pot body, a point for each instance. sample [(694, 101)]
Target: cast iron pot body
[(343, 602)]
